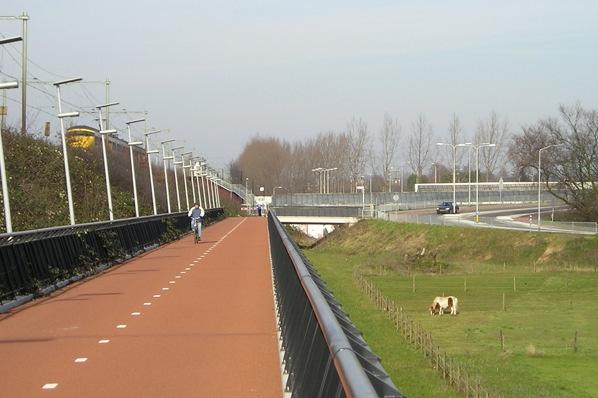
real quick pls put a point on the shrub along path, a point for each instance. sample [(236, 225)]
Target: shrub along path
[(184, 320)]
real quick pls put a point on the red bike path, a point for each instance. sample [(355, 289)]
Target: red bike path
[(185, 320)]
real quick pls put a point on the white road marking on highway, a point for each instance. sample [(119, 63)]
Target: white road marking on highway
[(172, 282), (157, 295), (135, 313), (80, 360), (121, 326), (182, 272), (147, 304), (178, 277), (165, 288), (188, 269), (49, 386), (195, 261), (104, 341)]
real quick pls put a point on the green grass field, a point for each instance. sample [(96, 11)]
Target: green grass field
[(543, 311)]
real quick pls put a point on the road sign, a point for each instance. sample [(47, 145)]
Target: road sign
[(395, 198)]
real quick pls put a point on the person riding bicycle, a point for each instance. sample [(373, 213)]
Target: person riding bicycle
[(196, 213)]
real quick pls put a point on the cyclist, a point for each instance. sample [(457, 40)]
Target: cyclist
[(196, 213)]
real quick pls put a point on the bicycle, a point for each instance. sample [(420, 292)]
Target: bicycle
[(197, 229)]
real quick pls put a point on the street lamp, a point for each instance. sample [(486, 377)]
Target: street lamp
[(186, 166), (131, 144), (454, 146), (246, 181), (539, 173), (327, 176), (176, 179), (195, 179), (103, 134), (61, 116), (477, 174), (319, 171), (148, 152), (24, 60), (164, 163), (7, 215)]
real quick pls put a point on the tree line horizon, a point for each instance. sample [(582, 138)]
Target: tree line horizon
[(394, 152)]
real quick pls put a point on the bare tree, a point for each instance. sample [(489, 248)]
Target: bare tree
[(419, 145), (455, 137), (574, 163), (389, 142), (357, 134), (496, 132)]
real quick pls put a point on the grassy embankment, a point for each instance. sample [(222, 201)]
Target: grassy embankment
[(550, 285)]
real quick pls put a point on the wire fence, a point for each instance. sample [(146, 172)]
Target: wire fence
[(421, 340)]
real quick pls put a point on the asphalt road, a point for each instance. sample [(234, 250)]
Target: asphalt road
[(185, 320)]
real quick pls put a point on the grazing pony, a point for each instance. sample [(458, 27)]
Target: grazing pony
[(440, 305)]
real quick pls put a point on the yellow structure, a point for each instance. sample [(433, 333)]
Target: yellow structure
[(81, 136)]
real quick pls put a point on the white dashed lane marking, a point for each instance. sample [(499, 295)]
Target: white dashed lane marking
[(178, 277), (172, 282), (157, 295), (165, 288), (104, 341), (121, 326), (147, 304), (49, 386), (135, 313), (80, 360)]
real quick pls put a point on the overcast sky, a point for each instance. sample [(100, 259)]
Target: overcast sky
[(218, 72)]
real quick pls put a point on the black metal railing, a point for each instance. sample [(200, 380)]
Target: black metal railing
[(32, 260), (325, 355)]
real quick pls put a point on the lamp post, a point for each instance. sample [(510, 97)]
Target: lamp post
[(186, 166), (131, 144), (202, 174), (539, 174), (165, 164), (454, 146), (24, 60), (469, 175), (215, 189), (328, 177), (319, 171), (176, 179), (148, 152), (61, 116), (477, 184), (103, 134), (197, 174), (5, 197), (246, 181)]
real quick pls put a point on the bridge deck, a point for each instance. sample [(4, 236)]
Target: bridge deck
[(211, 334)]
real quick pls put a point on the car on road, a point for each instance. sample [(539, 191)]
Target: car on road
[(446, 208)]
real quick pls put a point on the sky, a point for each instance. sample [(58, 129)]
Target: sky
[(216, 73)]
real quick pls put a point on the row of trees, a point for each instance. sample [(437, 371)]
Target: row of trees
[(356, 152), (382, 157)]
